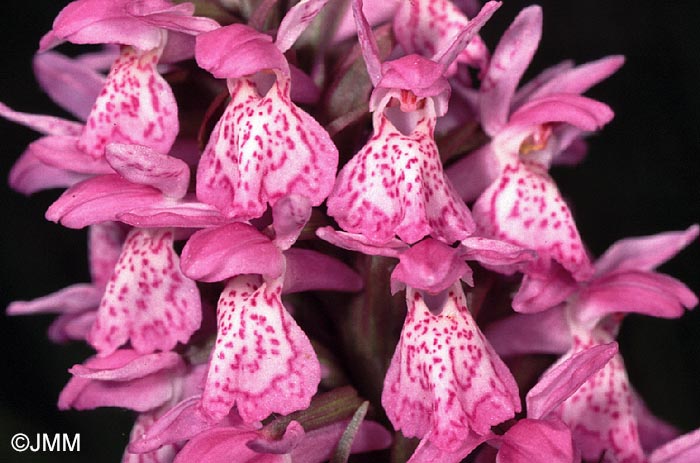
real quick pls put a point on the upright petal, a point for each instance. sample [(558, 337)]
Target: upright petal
[(445, 379), (148, 300), (262, 362)]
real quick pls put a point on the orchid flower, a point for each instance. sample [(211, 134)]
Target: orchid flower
[(521, 203), (262, 361), (605, 415), (136, 105), (395, 185), (264, 147)]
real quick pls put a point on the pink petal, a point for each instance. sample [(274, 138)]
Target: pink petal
[(289, 215), (29, 175), (123, 379), (237, 51), (563, 379), (186, 213), (70, 83), (262, 362), (148, 300), (601, 412), (319, 444), (309, 270), (524, 207), (530, 87), (48, 125), (445, 379), (359, 243), (428, 452), (634, 291), (136, 106), (543, 332), (420, 75), (296, 21), (653, 431), (143, 165), (430, 266), (182, 422), (368, 44), (473, 173), (683, 449), (70, 300), (508, 63), (453, 48), (105, 242), (219, 444), (62, 152), (537, 441), (581, 78), (100, 199), (579, 111), (220, 253), (646, 252), (541, 290), (165, 454), (493, 253), (263, 149), (72, 327), (395, 186)]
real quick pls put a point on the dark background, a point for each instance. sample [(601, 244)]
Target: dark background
[(641, 177)]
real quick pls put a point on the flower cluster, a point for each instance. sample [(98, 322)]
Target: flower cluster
[(246, 250)]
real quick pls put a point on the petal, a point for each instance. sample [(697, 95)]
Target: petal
[(493, 253), (544, 332), (356, 242), (318, 444), (601, 412), (70, 83), (148, 301), (48, 125), (29, 175), (645, 252), (430, 266), (73, 327), (136, 106), (653, 431), (70, 300), (683, 449), (62, 152), (579, 111), (262, 150), (428, 452), (237, 51), (579, 79), (105, 242), (100, 199), (262, 361), (395, 186), (220, 253), (533, 441), (541, 290), (289, 215), (368, 44), (145, 166), (123, 379), (296, 21), (639, 292), (563, 379), (219, 444), (165, 454), (186, 213), (309, 270), (473, 173), (445, 379), (524, 207), (508, 63)]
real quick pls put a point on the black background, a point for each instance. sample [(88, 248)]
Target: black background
[(641, 177)]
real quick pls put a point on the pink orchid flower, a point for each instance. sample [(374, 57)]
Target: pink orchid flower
[(262, 361), (606, 415), (530, 129), (264, 147), (395, 185), (136, 105)]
